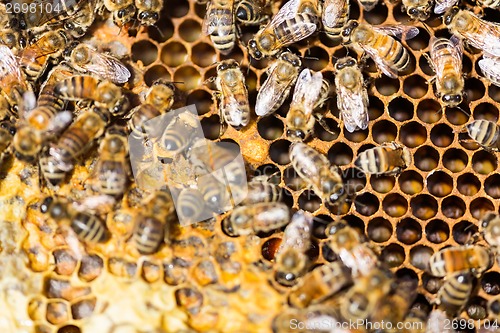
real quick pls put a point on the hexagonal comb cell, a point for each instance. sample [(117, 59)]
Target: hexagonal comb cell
[(437, 200)]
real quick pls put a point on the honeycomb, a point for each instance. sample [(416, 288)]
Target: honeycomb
[(206, 281)]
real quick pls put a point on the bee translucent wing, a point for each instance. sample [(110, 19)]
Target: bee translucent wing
[(443, 5), (107, 67), (215, 19), (60, 121), (487, 38), (353, 108), (491, 69), (398, 30), (307, 89), (288, 11), (270, 93), (380, 62), (9, 69), (332, 11), (299, 30), (210, 22)]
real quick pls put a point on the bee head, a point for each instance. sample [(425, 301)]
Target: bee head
[(349, 28), (27, 143), (296, 134), (452, 100), (227, 64), (450, 14), (253, 49), (46, 203), (419, 13), (336, 196), (291, 58), (148, 17), (345, 62)]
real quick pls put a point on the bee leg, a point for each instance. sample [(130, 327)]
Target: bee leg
[(321, 120), (216, 96)]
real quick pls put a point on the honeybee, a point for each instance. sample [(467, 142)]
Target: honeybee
[(319, 284), (260, 189), (281, 76), (446, 60), (233, 102), (252, 12), (215, 194), (474, 258), (35, 58), (12, 83), (477, 32), (50, 170), (86, 226), (291, 257), (314, 168), (161, 95), (7, 131), (299, 119), (418, 10), (260, 217), (77, 138), (87, 60), (137, 123), (103, 93), (455, 292), (485, 132), (335, 16), (490, 228), (123, 11), (361, 300), (148, 11), (46, 118), (387, 53), (489, 66), (352, 97), (346, 242), (295, 21), (177, 135), (159, 99), (215, 157), (388, 158), (112, 168), (150, 223), (190, 205), (219, 24)]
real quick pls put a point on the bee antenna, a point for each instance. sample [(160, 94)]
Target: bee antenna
[(465, 112), (158, 29)]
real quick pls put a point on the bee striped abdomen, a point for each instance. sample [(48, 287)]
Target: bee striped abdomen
[(455, 292), (484, 132), (224, 36), (148, 235), (48, 105), (89, 228)]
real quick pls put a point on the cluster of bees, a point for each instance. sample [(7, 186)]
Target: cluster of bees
[(59, 95)]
